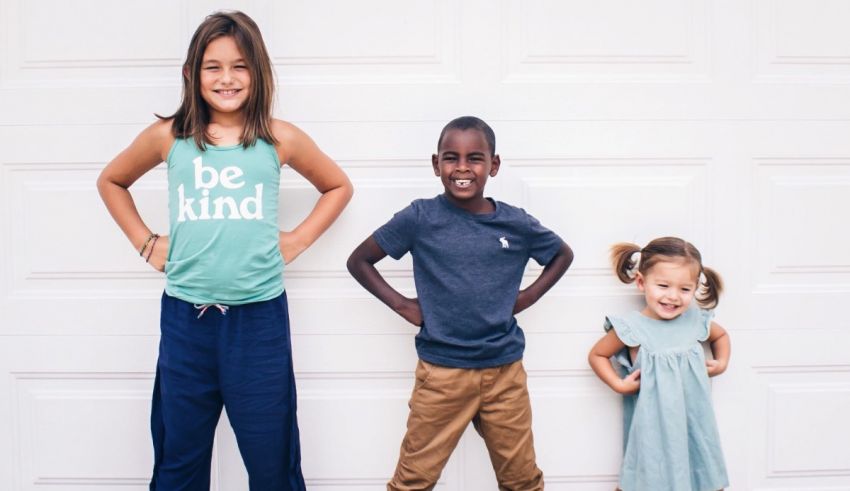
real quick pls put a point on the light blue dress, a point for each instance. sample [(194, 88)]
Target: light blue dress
[(670, 434)]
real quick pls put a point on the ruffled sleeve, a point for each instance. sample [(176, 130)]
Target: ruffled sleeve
[(704, 324), (623, 330)]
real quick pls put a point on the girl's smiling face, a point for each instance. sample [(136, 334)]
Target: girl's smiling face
[(225, 79), (669, 287)]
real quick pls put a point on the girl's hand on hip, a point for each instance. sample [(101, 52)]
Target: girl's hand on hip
[(290, 247), (715, 367), (159, 254), (630, 384)]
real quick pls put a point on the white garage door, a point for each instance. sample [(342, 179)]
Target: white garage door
[(723, 121)]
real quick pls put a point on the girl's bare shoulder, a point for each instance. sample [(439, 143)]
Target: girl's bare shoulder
[(158, 136), (291, 140), (284, 130)]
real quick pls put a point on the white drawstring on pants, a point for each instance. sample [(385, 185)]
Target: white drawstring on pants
[(204, 306)]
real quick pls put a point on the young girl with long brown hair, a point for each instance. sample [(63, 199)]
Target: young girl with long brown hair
[(225, 331)]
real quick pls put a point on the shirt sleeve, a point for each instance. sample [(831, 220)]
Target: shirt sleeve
[(396, 236), (543, 243)]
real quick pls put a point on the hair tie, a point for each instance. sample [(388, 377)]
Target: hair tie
[(635, 260)]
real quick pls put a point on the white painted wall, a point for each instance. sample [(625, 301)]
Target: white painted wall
[(723, 121)]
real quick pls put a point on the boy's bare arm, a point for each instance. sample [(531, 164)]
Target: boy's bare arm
[(361, 265), (550, 275)]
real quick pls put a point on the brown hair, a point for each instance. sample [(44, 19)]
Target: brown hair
[(192, 117), (665, 249)]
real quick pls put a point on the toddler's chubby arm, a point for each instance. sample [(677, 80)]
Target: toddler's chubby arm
[(300, 152), (599, 359), (147, 151), (361, 265), (550, 275), (721, 348)]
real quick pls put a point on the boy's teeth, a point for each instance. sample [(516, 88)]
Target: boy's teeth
[(463, 182)]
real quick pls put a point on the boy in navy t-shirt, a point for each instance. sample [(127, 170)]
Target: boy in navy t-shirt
[(469, 254)]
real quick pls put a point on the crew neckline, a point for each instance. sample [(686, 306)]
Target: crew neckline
[(461, 211)]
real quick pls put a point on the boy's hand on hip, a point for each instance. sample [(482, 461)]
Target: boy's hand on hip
[(523, 301), (159, 254), (410, 310)]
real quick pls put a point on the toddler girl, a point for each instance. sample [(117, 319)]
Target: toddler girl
[(671, 439)]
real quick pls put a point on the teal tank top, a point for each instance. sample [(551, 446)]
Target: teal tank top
[(224, 231)]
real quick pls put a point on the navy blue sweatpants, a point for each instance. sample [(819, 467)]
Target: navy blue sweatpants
[(240, 359)]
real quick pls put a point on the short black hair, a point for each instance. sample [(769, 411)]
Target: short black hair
[(470, 123)]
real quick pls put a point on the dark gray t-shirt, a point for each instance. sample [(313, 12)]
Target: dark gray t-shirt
[(467, 269)]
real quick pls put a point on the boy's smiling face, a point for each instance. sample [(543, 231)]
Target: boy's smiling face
[(464, 162)]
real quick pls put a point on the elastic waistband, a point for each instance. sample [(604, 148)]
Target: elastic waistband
[(199, 309)]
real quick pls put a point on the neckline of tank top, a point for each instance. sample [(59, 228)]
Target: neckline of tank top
[(220, 148)]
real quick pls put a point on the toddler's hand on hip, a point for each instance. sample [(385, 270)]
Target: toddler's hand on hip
[(630, 384), (715, 367)]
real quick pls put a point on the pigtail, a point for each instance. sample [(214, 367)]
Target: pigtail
[(710, 288), (621, 258)]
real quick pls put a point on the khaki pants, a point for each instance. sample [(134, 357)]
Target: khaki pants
[(443, 403)]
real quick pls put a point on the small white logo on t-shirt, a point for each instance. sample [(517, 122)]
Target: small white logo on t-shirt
[(504, 242)]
